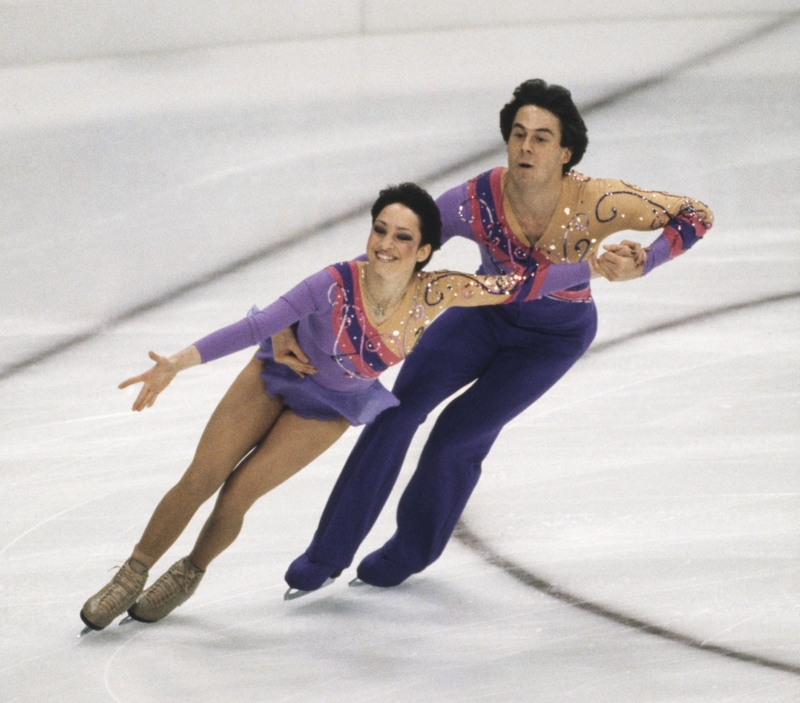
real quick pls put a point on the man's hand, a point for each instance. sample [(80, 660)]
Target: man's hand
[(621, 262), (287, 351)]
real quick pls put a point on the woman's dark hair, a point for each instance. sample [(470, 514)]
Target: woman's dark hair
[(557, 100), (419, 201)]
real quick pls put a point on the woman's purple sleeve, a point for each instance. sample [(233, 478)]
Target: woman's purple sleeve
[(247, 332), (303, 300), (562, 276)]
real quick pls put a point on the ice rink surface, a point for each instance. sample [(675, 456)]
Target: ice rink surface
[(634, 537)]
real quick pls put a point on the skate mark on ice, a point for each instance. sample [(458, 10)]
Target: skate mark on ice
[(471, 540), (51, 518), (701, 316), (107, 671), (527, 578)]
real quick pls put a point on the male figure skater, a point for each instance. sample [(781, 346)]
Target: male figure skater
[(537, 210)]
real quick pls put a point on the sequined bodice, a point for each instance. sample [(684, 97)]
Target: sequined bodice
[(372, 347)]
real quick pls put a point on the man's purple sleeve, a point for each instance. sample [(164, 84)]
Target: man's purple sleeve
[(449, 204), (657, 254), (681, 234)]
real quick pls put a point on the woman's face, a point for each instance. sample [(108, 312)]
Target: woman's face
[(393, 246)]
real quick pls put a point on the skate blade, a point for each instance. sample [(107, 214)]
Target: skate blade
[(294, 593), (126, 620), (85, 631), (357, 583)]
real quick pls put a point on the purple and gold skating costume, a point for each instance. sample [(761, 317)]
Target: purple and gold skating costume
[(347, 348), (513, 353)]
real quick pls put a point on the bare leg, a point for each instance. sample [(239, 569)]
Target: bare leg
[(291, 444), (244, 415)]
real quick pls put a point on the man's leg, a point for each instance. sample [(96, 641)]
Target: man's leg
[(451, 354), (450, 465)]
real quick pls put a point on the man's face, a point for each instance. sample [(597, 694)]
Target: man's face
[(535, 154)]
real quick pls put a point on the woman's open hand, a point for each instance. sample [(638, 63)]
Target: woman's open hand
[(155, 380)]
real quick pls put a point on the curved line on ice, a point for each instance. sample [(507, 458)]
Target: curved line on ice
[(471, 540)]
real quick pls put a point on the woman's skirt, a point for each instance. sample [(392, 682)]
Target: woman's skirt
[(310, 400)]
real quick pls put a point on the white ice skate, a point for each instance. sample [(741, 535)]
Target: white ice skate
[(114, 598)]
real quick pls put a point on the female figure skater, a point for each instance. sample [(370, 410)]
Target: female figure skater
[(354, 319)]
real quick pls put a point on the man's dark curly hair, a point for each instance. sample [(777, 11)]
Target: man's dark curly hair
[(557, 100)]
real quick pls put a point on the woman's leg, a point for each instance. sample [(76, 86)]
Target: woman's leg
[(242, 418), (244, 415), (289, 446), (292, 443)]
